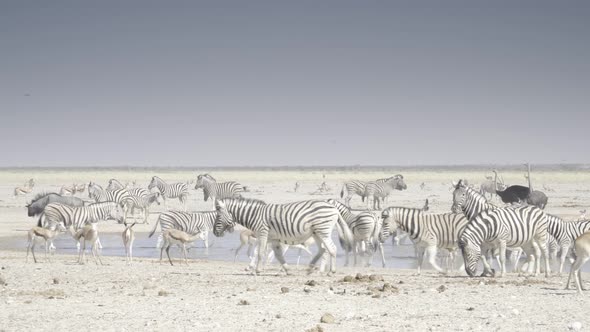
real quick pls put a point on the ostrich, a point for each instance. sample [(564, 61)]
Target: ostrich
[(512, 194), (536, 197)]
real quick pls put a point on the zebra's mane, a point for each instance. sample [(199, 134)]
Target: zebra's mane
[(244, 200)]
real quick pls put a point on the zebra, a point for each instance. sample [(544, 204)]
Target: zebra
[(566, 233), (365, 230), (291, 223), (520, 226), (353, 187), (174, 190), (120, 196), (472, 203), (143, 203), (192, 223), (214, 190), (379, 190), (74, 218), (139, 195), (428, 231)]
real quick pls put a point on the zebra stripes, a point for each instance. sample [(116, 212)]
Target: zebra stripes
[(377, 191), (174, 190), (469, 201), (214, 190), (291, 223), (364, 228), (190, 223), (143, 203), (77, 217), (428, 231), (353, 187), (524, 226), (565, 234)]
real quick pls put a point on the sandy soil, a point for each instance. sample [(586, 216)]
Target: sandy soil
[(212, 295)]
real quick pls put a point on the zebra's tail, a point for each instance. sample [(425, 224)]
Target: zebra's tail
[(342, 190), (344, 234), (154, 229), (40, 222)]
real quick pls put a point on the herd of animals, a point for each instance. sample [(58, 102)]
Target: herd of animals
[(476, 227)]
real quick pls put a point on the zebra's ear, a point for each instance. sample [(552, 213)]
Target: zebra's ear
[(219, 205)]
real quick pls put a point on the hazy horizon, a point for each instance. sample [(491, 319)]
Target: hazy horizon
[(229, 83)]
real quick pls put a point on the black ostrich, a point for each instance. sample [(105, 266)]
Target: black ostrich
[(513, 194)]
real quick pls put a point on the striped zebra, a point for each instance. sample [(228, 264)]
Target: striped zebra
[(139, 196), (378, 191), (365, 230), (353, 187), (291, 223), (566, 233), (191, 223), (214, 190), (522, 226), (143, 204), (75, 218), (429, 232), (472, 203), (174, 190), (119, 196)]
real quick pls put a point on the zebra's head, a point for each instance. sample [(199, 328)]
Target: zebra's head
[(388, 225), (398, 182), (152, 183), (471, 253), (118, 214), (91, 189), (159, 198), (200, 181), (459, 197), (223, 219)]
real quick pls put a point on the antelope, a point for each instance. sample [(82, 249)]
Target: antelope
[(174, 236), (128, 238), (48, 234), (90, 234)]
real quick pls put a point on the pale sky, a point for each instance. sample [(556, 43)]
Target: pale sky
[(244, 83)]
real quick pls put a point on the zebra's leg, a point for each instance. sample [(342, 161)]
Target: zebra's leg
[(279, 251), (98, 242), (502, 258), (542, 246), (161, 252), (331, 249), (46, 251), (382, 254), (421, 252), (319, 254), (431, 251), (206, 239), (262, 239)]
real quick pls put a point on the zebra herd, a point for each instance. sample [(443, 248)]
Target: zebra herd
[(479, 229)]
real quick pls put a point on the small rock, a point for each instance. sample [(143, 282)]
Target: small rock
[(243, 302), (347, 279), (311, 283), (315, 329), (327, 319), (3, 281), (163, 293), (284, 290), (307, 289), (470, 309), (401, 282), (376, 296), (441, 288), (279, 316), (574, 326), (55, 281), (376, 277), (250, 289)]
